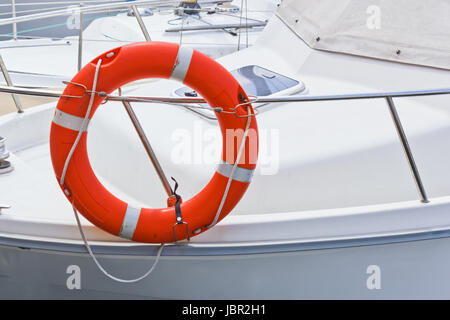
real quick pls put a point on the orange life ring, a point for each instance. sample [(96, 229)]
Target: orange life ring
[(119, 67)]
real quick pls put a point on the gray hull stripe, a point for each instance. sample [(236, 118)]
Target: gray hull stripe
[(240, 174), (69, 121), (182, 63), (129, 222), (239, 248)]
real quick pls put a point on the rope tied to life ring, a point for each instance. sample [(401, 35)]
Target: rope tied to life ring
[(132, 223), (77, 218)]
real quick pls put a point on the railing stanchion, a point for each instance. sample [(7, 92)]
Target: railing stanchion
[(10, 84), (407, 149), (148, 148), (80, 40), (141, 23), (13, 12)]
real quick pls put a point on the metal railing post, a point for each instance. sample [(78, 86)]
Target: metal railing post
[(10, 84), (80, 40), (13, 11), (407, 149), (141, 23), (148, 148)]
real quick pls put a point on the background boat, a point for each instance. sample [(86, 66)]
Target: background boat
[(54, 27), (50, 60), (350, 199)]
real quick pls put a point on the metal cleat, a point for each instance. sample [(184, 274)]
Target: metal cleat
[(5, 166), (4, 206)]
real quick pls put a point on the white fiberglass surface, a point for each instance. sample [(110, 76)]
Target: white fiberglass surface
[(313, 156), (331, 171), (186, 147)]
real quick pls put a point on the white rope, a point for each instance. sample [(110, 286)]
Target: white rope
[(100, 267), (83, 124), (238, 159), (86, 243), (158, 255)]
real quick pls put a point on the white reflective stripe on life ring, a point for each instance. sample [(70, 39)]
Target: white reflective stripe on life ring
[(182, 63), (69, 121), (129, 222), (240, 174)]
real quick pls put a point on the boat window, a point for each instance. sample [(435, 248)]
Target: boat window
[(255, 80)]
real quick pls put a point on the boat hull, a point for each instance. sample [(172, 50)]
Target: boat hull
[(416, 269)]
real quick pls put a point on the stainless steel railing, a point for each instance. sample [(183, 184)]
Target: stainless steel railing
[(190, 102), (8, 81)]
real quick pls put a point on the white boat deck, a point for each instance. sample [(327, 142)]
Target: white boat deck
[(340, 164)]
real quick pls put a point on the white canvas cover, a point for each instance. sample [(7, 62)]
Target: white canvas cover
[(409, 31)]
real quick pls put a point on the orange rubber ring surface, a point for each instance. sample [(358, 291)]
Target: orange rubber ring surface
[(119, 67)]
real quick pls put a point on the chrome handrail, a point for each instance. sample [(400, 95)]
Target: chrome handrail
[(141, 23), (187, 102), (8, 81), (249, 25), (261, 99)]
